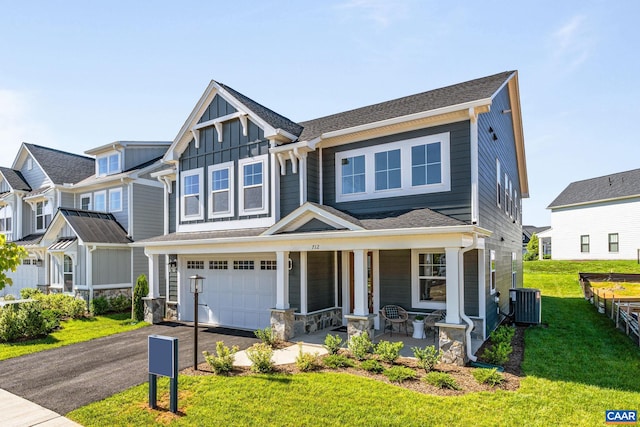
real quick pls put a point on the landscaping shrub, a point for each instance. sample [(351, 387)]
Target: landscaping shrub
[(31, 320), (398, 374), (120, 304), (267, 336), (503, 334), (64, 306), (389, 351), (307, 362), (441, 380), (140, 291), (222, 362), (333, 343), (10, 328), (498, 354), (260, 355), (488, 376), (372, 365), (25, 321), (360, 346), (52, 320), (337, 361), (9, 297), (26, 293), (99, 306), (427, 357)]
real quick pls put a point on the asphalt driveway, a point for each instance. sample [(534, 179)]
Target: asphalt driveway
[(69, 377)]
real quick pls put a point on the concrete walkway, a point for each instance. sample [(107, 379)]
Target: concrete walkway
[(283, 356), (18, 412)]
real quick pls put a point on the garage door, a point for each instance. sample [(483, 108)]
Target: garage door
[(25, 276), (238, 292)]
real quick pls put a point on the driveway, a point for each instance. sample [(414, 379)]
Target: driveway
[(69, 377)]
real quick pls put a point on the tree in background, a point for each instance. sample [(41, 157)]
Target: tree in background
[(10, 258), (140, 291), (532, 248)]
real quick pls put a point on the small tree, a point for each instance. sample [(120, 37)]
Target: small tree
[(532, 248), (10, 258), (140, 291)]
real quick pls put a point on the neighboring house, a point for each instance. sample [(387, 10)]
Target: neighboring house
[(83, 242), (597, 218), (530, 230), (304, 226)]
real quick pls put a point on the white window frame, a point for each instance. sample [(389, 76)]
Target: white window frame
[(111, 192), (97, 194), (65, 272), (231, 211), (610, 242), (416, 302), (29, 163), (6, 217), (583, 244), (492, 272), (109, 170), (45, 204), (406, 187), (200, 215), (514, 270), (506, 194), (265, 180), (90, 197), (498, 184)]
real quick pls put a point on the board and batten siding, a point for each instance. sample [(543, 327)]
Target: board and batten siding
[(289, 191), (455, 203), (597, 221), (294, 281), (111, 266), (172, 208), (4, 186), (320, 281), (134, 156), (471, 306), (395, 278)]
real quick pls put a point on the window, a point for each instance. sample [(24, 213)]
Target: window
[(414, 166), (498, 184), (584, 244), (85, 202), (100, 201), (510, 199), (243, 265), (613, 242), (218, 265), (108, 165), (26, 261), (115, 200), (492, 269), (221, 186), (506, 194), (514, 270), (68, 274), (253, 196), (195, 265), (29, 163), (268, 265), (516, 206), (192, 194), (6, 214), (429, 289), (43, 215)]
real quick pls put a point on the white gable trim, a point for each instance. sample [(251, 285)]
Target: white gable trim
[(306, 213)]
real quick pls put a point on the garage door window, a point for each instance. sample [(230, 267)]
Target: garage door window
[(243, 265), (218, 265), (268, 265), (195, 265)]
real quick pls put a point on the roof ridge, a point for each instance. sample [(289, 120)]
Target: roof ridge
[(68, 153), (607, 175)]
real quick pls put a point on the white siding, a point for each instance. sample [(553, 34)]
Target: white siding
[(597, 221)]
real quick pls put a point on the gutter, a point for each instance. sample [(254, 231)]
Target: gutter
[(463, 315)]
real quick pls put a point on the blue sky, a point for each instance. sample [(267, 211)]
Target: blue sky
[(75, 74)]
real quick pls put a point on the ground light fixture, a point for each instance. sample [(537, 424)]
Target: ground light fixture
[(195, 286)]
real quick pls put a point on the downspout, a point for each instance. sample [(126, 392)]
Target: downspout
[(463, 315)]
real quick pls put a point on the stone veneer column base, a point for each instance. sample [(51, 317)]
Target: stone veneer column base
[(453, 343), (153, 309), (358, 325), (282, 323)]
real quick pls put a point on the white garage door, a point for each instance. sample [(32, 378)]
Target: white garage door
[(25, 276), (238, 292)]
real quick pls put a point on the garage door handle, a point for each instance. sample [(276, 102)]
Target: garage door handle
[(205, 305)]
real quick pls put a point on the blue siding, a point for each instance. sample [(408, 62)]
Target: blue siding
[(217, 108), (320, 279), (36, 176), (313, 177), (294, 281), (395, 278), (289, 191), (471, 307), (172, 208)]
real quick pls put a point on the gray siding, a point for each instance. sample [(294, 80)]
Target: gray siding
[(111, 266), (172, 208), (147, 211), (455, 203), (294, 281), (35, 177), (313, 177), (217, 108), (135, 156), (139, 264), (395, 278), (289, 192), (66, 200), (28, 219), (315, 225), (471, 307), (320, 277), (507, 234), (4, 187)]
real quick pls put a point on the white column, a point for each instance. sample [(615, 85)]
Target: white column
[(482, 271), (154, 287), (346, 309), (302, 176), (17, 213), (303, 283), (282, 280), (453, 282), (360, 283)]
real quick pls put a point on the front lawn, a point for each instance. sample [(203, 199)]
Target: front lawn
[(71, 332), (577, 366)]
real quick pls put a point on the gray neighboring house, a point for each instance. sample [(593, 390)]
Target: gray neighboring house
[(544, 247)]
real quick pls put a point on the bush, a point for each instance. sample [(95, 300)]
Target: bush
[(120, 304), (65, 306), (140, 291), (260, 355), (441, 380), (498, 354), (99, 306), (427, 357), (31, 320), (488, 376), (307, 362), (333, 343), (398, 374), (10, 329), (27, 293), (26, 321), (267, 336), (222, 362), (9, 297), (360, 346), (51, 319), (503, 334), (372, 365), (337, 361), (389, 351)]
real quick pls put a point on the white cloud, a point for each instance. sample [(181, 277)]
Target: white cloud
[(381, 12), (572, 43)]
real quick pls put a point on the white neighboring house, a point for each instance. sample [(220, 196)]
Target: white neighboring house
[(598, 218)]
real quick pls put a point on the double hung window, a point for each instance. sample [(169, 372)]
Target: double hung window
[(584, 244), (253, 197), (191, 191), (108, 164), (613, 242), (221, 190), (43, 215)]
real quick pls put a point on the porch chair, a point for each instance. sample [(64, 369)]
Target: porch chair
[(393, 314), (431, 319)]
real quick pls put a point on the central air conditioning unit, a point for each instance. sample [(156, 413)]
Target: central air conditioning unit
[(526, 305)]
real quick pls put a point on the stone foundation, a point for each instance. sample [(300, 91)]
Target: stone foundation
[(153, 309), (358, 325), (112, 293), (310, 323), (282, 323), (171, 311), (453, 343)]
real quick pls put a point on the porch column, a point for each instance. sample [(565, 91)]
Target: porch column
[(453, 282), (154, 288), (360, 291), (153, 303), (303, 283), (282, 280)]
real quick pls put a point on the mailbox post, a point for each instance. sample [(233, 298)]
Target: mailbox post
[(195, 285), (163, 360)]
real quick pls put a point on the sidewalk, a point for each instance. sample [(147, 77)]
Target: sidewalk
[(283, 356), (18, 412)]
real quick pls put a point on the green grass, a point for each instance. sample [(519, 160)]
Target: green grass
[(577, 366), (71, 332)]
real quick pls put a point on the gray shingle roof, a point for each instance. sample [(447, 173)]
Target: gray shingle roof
[(460, 93), (30, 240), (407, 219), (614, 186), (95, 227), (15, 179), (222, 234), (530, 230), (60, 166), (274, 119)]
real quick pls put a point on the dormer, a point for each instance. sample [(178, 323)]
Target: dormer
[(121, 156), (108, 158)]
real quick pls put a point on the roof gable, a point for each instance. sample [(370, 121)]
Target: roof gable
[(308, 212), (15, 179), (620, 185), (88, 226), (59, 166)]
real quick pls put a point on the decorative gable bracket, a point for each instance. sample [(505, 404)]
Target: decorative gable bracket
[(297, 153), (217, 123)]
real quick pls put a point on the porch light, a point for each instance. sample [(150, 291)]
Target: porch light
[(195, 286), (173, 265)]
